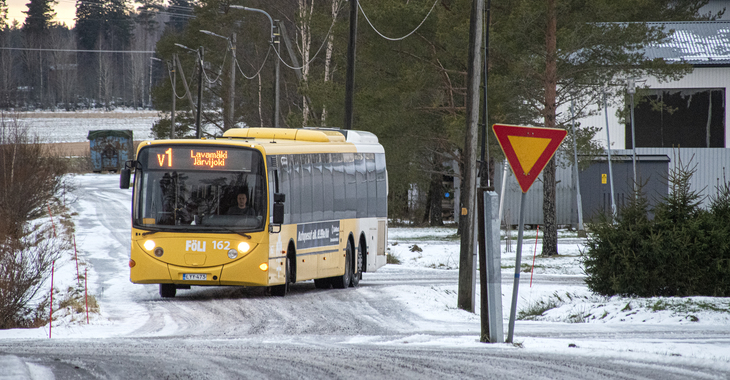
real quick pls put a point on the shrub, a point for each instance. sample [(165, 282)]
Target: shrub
[(25, 264), (29, 178), (30, 175), (683, 251)]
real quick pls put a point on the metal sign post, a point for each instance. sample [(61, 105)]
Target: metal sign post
[(518, 264), (528, 150)]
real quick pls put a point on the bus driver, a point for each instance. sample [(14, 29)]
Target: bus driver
[(241, 206)]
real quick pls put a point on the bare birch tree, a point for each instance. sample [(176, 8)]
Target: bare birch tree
[(7, 81), (328, 72), (137, 68), (62, 67), (106, 79), (304, 20)]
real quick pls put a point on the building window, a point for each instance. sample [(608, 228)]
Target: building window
[(687, 118)]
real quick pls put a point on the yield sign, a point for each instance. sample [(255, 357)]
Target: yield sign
[(528, 149)]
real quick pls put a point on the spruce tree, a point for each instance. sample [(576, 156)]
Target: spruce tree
[(3, 15), (550, 53), (38, 16)]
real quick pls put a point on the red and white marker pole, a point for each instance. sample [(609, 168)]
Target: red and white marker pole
[(50, 316), (532, 270)]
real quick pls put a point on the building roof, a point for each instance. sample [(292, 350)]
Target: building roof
[(700, 43)]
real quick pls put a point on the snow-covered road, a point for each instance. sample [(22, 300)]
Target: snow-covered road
[(401, 322)]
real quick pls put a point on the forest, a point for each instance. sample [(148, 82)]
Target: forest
[(411, 70)]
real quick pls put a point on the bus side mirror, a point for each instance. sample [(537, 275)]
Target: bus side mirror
[(124, 176), (279, 199), (126, 173)]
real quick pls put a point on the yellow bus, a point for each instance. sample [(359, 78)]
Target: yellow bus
[(258, 207)]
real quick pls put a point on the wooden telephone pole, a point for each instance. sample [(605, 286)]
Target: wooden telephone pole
[(467, 257)]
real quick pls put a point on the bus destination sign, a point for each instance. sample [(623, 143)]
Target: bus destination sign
[(186, 157)]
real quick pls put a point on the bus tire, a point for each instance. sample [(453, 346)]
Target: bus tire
[(342, 282), (281, 290), (322, 283), (168, 290), (357, 266)]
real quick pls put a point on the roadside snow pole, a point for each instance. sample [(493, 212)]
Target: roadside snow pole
[(86, 294), (528, 150), (76, 257), (608, 152), (532, 270), (50, 316), (490, 270), (51, 215)]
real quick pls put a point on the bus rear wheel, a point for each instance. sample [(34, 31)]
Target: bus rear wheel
[(342, 282), (322, 283), (168, 290), (356, 277)]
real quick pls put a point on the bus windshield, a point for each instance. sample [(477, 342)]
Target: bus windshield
[(200, 188)]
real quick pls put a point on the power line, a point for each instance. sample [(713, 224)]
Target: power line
[(219, 71), (260, 68), (324, 41), (398, 38)]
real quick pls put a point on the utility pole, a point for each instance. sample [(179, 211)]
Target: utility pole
[(631, 89), (149, 92), (485, 169), (486, 250), (467, 257), (199, 52), (174, 97), (200, 91), (277, 46), (232, 88), (350, 81)]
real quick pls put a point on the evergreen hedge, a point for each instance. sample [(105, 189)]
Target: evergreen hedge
[(683, 251)]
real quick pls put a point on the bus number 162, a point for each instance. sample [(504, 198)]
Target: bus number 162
[(221, 245)]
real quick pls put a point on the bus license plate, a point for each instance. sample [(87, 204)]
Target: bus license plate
[(195, 276)]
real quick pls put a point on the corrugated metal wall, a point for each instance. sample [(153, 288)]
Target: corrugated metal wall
[(712, 165), (565, 198)]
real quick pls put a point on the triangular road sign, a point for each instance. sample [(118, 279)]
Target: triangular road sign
[(528, 149)]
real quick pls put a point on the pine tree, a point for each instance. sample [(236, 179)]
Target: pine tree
[(549, 53)]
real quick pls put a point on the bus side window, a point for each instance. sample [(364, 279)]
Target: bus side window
[(328, 187), (317, 187), (362, 185), (306, 188), (348, 161), (381, 185), (295, 193), (372, 192), (338, 181)]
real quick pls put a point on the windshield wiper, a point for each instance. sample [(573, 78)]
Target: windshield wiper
[(149, 233), (247, 236)]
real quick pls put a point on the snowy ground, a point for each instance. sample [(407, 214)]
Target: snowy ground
[(558, 313), (64, 126), (411, 304)]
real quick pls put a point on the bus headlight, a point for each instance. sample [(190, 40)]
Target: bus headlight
[(149, 245), (243, 247), (232, 253), (159, 252), (264, 266)]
